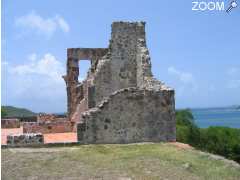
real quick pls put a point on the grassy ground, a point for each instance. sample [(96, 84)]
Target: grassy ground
[(123, 162)]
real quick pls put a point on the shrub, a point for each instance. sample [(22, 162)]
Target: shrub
[(224, 141), (187, 130)]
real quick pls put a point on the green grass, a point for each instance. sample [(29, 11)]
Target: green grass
[(134, 161)]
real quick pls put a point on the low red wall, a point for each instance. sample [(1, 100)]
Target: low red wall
[(47, 127), (10, 123)]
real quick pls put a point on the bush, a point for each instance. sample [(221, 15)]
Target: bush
[(184, 118), (187, 130), (224, 141), (182, 133)]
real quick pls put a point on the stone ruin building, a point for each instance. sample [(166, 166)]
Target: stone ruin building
[(119, 101)]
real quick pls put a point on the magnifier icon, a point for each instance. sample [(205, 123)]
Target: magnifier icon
[(233, 4)]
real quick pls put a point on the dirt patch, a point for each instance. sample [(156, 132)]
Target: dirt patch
[(181, 145)]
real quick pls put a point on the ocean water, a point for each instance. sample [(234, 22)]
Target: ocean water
[(228, 117)]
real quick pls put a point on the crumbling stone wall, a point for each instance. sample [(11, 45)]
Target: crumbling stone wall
[(130, 115), (120, 100), (46, 117), (118, 69), (75, 89), (10, 123), (57, 126), (48, 123), (25, 139)]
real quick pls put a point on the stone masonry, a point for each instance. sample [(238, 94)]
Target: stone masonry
[(10, 123), (119, 101), (25, 139), (48, 123)]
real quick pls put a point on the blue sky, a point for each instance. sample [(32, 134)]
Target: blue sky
[(195, 52)]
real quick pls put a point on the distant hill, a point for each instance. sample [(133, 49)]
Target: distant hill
[(17, 112)]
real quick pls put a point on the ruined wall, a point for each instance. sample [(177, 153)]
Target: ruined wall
[(119, 68), (144, 72), (10, 123), (124, 64), (102, 80), (92, 54), (46, 117), (57, 126), (74, 88), (130, 115), (123, 54), (121, 101), (25, 139)]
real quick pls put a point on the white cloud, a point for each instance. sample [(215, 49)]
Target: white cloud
[(5, 63), (234, 84), (32, 57), (47, 66), (63, 24), (185, 83), (184, 77), (38, 83), (233, 71), (46, 26)]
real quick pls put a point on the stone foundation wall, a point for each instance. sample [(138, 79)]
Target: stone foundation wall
[(130, 115), (10, 123), (48, 127), (25, 139)]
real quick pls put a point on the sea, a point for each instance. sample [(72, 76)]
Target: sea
[(227, 117)]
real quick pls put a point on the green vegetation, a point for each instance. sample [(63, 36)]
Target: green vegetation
[(222, 140), (3, 112), (11, 111), (218, 140), (187, 130), (130, 161)]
